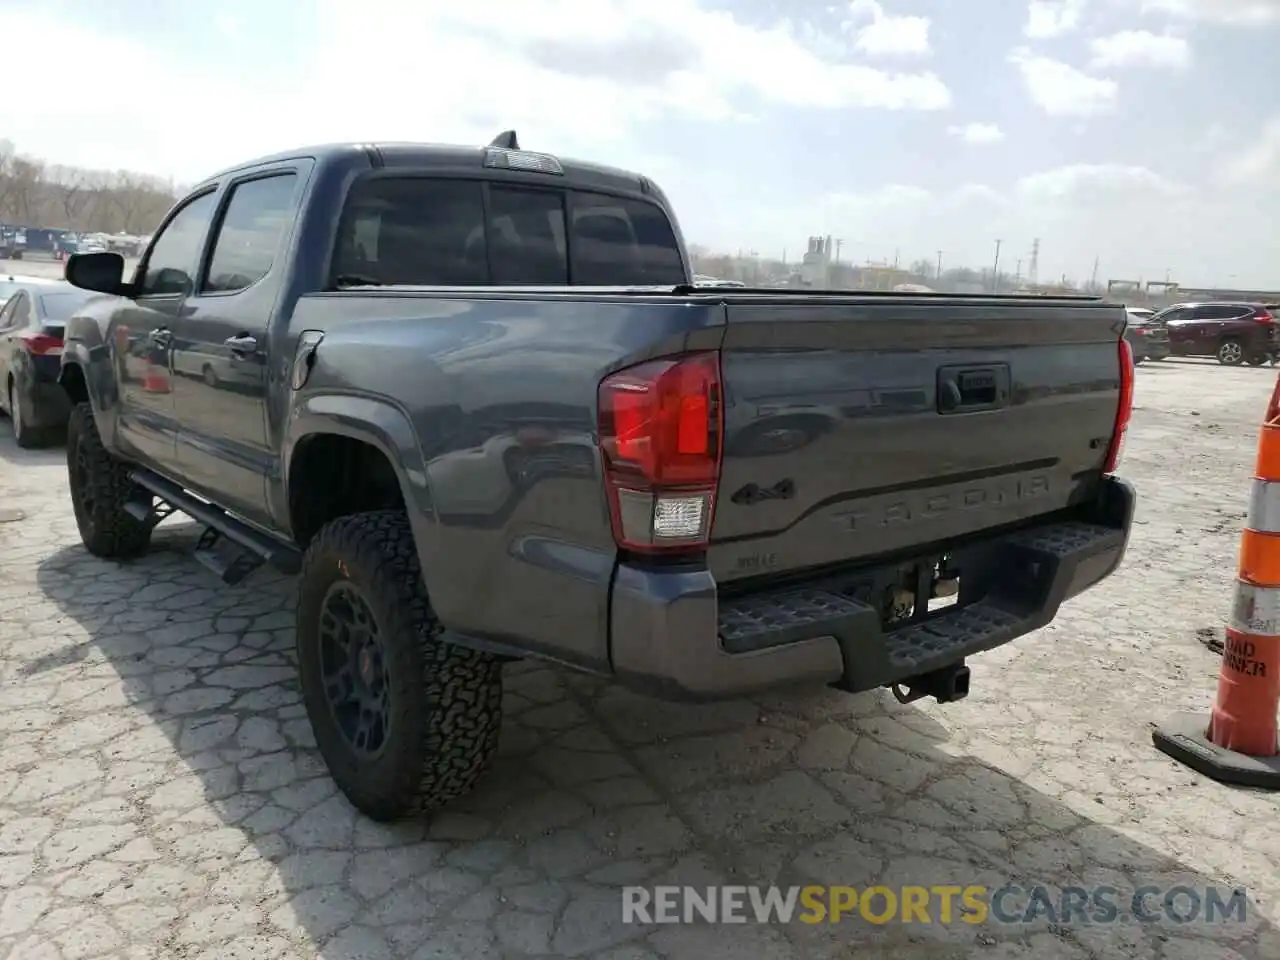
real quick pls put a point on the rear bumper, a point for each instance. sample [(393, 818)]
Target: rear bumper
[(671, 635), (1153, 351), (45, 405)]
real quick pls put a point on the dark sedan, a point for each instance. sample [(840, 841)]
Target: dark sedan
[(1149, 340), (31, 325)]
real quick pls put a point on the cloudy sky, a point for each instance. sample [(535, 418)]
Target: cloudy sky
[(1145, 133)]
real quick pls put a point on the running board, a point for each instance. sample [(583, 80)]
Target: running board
[(228, 547)]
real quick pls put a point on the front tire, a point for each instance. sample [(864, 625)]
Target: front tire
[(404, 721), (100, 488)]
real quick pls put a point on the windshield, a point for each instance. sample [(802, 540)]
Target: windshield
[(58, 307)]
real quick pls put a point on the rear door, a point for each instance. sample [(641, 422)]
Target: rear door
[(221, 349), (8, 327), (865, 428)]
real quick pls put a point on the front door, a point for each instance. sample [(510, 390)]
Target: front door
[(1182, 334), (221, 352), (142, 333)]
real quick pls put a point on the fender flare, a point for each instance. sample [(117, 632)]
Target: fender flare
[(96, 367), (387, 428)]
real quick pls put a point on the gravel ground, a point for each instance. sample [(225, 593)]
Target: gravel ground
[(160, 796)]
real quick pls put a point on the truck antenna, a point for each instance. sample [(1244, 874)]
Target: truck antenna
[(506, 140)]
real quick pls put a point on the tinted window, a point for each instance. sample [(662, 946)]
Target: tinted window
[(175, 250), (433, 232), (58, 307), (622, 242), (1222, 311), (250, 232), (413, 231), (6, 313), (1169, 316), (526, 236)]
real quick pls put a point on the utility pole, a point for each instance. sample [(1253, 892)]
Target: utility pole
[(1017, 273), (995, 270), (839, 246), (939, 264), (1093, 281)]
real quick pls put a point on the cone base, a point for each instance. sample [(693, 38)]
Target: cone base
[(1182, 737)]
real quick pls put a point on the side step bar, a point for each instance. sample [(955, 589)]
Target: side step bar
[(229, 547)]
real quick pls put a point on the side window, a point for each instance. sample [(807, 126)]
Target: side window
[(1220, 311), (622, 242), (526, 236), (6, 313), (250, 231), (1181, 313), (176, 248), (413, 230), (21, 316)]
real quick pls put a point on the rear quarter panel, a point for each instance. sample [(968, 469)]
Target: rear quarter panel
[(496, 400)]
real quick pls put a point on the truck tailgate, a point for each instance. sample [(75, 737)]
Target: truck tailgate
[(857, 427)]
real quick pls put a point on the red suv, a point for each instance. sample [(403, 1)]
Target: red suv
[(1233, 331)]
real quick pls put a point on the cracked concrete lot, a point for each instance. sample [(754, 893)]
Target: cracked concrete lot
[(160, 795)]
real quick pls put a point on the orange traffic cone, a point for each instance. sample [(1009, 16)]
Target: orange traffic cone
[(1238, 742), (155, 380)]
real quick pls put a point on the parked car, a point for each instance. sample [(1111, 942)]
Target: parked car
[(1233, 331), (1149, 340), (488, 417), (11, 283), (31, 327)]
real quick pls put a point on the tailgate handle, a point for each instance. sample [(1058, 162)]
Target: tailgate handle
[(967, 389)]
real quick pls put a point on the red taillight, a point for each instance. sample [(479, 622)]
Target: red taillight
[(41, 344), (661, 430), (1262, 315), (1124, 410)]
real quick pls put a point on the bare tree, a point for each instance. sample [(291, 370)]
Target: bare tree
[(37, 194)]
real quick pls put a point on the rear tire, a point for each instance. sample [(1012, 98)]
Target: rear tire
[(1230, 353), (26, 437), (428, 713), (100, 488)]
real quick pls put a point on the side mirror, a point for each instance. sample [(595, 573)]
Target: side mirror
[(97, 272)]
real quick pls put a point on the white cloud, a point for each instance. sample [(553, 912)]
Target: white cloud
[(571, 78), (1061, 90), (1132, 218), (1231, 13), (1257, 163), (977, 132), (1052, 18), (1140, 48), (887, 35)]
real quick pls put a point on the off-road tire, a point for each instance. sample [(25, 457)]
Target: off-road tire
[(106, 529), (1230, 352), (446, 700)]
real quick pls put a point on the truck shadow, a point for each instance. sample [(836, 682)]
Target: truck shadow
[(202, 733)]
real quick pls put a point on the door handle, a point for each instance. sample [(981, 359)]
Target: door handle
[(161, 337), (241, 345)]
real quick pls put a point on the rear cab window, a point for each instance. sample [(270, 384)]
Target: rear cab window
[(456, 232)]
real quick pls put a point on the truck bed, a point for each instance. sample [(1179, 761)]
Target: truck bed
[(837, 452)]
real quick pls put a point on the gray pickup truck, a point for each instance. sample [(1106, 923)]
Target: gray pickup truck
[(472, 396)]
